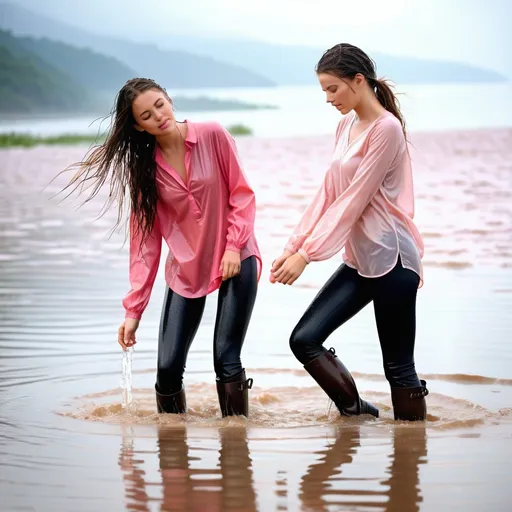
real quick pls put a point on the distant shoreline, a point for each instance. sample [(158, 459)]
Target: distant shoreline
[(25, 140), (20, 139), (181, 103)]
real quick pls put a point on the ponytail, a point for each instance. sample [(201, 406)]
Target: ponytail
[(388, 99), (346, 60)]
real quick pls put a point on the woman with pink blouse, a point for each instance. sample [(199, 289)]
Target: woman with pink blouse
[(186, 187), (366, 206)]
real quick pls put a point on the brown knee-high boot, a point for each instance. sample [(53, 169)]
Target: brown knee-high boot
[(174, 404), (234, 395), (334, 378), (409, 403)]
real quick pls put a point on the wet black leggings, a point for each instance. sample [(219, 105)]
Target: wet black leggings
[(181, 318), (344, 295)]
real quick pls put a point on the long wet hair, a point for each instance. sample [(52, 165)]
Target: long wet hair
[(125, 160), (346, 61)]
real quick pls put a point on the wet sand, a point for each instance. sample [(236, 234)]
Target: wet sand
[(67, 444)]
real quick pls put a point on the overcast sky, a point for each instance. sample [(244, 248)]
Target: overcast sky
[(473, 31)]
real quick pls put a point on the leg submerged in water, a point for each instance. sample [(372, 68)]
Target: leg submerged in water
[(344, 295)]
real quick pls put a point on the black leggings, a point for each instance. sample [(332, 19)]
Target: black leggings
[(344, 295), (181, 318)]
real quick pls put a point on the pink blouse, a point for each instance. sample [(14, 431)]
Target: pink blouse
[(199, 220), (366, 203)]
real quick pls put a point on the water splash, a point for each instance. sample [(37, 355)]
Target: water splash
[(126, 382)]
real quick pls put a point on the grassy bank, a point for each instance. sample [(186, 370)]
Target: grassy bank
[(239, 129), (8, 140)]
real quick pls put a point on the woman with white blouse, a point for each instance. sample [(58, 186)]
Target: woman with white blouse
[(366, 206)]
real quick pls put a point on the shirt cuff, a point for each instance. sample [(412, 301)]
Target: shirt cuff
[(304, 255), (234, 248), (135, 316), (291, 248)]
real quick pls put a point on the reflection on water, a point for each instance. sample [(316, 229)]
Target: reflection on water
[(193, 478), (409, 451), (323, 478), (325, 485), (224, 486)]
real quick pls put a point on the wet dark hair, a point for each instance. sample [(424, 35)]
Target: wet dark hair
[(125, 160), (346, 61)]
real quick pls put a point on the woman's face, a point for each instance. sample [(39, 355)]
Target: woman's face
[(342, 93), (153, 112)]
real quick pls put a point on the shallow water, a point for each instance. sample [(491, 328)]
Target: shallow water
[(67, 443)]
